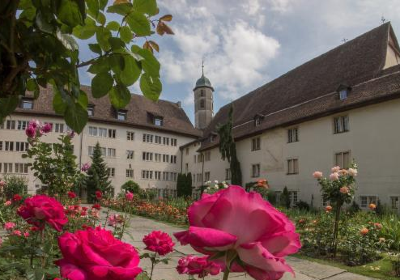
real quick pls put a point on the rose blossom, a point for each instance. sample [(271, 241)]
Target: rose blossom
[(85, 167), (30, 132), (364, 231), (335, 169), (378, 225), (200, 266), (328, 208), (334, 176), (96, 206), (95, 254), (17, 233), (8, 203), (372, 206), (47, 128), (317, 174), (353, 172), (159, 242), (17, 197), (9, 225), (114, 219), (344, 190), (129, 196), (42, 208), (71, 195), (2, 183), (26, 234), (99, 194), (245, 224)]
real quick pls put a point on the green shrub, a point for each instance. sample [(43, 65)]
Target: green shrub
[(131, 186), (302, 205), (15, 185)]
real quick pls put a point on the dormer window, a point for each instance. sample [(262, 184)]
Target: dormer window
[(343, 91), (213, 136), (258, 119), (158, 121), (121, 115), (90, 110), (27, 103)]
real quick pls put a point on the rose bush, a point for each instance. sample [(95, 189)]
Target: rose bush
[(258, 248)]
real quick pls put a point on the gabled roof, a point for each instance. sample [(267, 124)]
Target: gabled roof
[(174, 117), (309, 91)]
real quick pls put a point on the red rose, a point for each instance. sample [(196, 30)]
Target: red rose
[(159, 242), (17, 197), (40, 209), (99, 194), (71, 195), (95, 254), (96, 206)]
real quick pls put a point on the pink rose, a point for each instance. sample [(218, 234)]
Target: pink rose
[(34, 123), (353, 172), (47, 128), (2, 183), (159, 242), (200, 266), (129, 196), (95, 254), (317, 175), (85, 167), (40, 209), (9, 225), (335, 169), (26, 234), (235, 221), (334, 176), (114, 219), (344, 190), (17, 233), (8, 203), (30, 132)]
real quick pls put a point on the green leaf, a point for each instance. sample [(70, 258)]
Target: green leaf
[(8, 105), (151, 87), (139, 24), (31, 85), (59, 105), (35, 275), (150, 64), (146, 6), (126, 34), (86, 31), (142, 276), (101, 64), (131, 72), (119, 96), (69, 13), (121, 9), (116, 43), (67, 40), (76, 117), (93, 7), (117, 62), (103, 4), (102, 36), (95, 48), (113, 26), (42, 23), (83, 99), (101, 18), (101, 84)]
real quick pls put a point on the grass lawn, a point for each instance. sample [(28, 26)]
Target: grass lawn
[(385, 271)]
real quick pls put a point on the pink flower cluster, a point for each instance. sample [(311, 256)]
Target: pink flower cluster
[(159, 242), (36, 129), (115, 219), (129, 196), (200, 266), (85, 167)]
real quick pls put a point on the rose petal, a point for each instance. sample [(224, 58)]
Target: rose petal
[(282, 244), (205, 237)]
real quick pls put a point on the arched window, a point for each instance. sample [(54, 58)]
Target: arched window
[(202, 104), (202, 92)]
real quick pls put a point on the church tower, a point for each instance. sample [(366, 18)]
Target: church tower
[(203, 102)]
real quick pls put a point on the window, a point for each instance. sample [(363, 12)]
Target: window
[(157, 157), (174, 142), (293, 166), (187, 151), (158, 121), (112, 133), (157, 139), (293, 135), (173, 159), (10, 124), (255, 144), (207, 176), (200, 178), (202, 104), (200, 158), (147, 138), (157, 175), (130, 135), (111, 152), (293, 198), (257, 121), (165, 158), (21, 168), (343, 94), (342, 159), (255, 170), (228, 174), (195, 158), (129, 173), (166, 141), (102, 132), (90, 150), (21, 146), (22, 125), (90, 111), (59, 127), (147, 174), (394, 202), (130, 154), (147, 156), (208, 156), (341, 124), (27, 104), (121, 115), (92, 131), (367, 200), (103, 151), (111, 171), (8, 168), (187, 167), (1, 146), (9, 146), (202, 93)]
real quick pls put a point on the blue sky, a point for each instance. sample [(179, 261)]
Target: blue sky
[(247, 43)]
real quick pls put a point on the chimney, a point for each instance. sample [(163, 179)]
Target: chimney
[(179, 104)]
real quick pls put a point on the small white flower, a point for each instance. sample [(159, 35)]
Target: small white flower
[(216, 181)]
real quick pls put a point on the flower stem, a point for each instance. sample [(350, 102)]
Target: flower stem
[(226, 274)]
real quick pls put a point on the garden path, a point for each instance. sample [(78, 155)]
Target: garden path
[(305, 270)]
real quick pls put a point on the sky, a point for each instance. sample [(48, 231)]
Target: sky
[(247, 43)]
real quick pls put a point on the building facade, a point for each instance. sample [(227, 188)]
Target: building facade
[(341, 106)]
